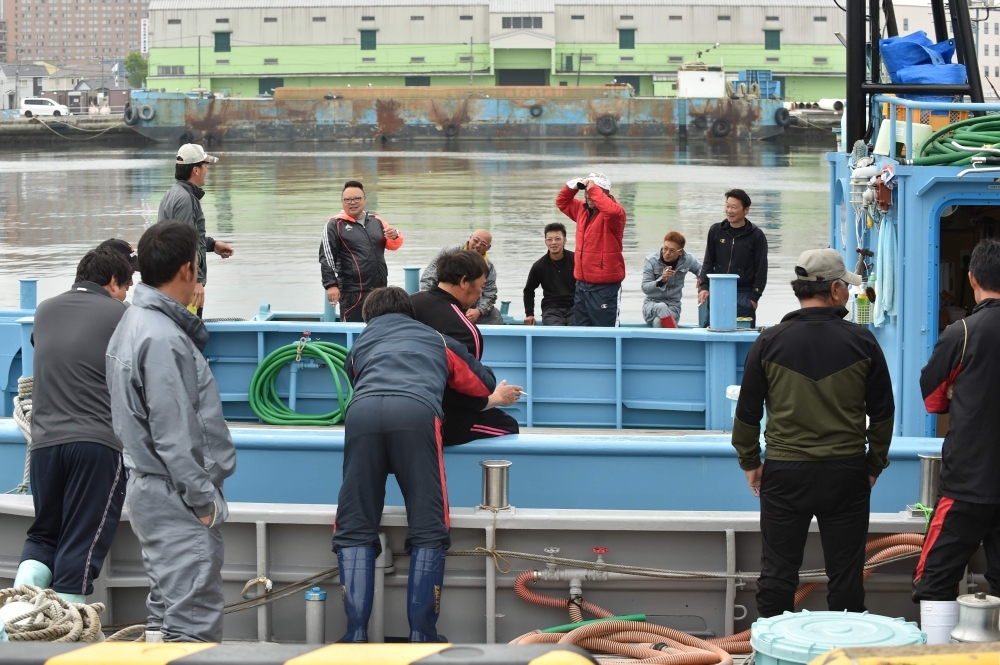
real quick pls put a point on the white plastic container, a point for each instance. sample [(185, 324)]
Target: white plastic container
[(733, 395), (938, 618), (921, 133)]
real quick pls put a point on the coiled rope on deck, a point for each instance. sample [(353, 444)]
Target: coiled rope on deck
[(982, 132), (22, 416), (51, 618), (264, 398)]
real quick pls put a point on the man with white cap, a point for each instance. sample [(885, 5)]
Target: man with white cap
[(182, 203), (599, 265), (820, 376)]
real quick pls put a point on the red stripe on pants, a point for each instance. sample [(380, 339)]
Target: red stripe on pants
[(944, 505), (444, 483)]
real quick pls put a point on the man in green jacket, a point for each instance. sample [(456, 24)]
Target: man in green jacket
[(820, 376)]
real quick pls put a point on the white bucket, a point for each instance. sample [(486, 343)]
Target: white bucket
[(938, 618)]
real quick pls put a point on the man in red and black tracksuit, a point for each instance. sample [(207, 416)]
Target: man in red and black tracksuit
[(963, 377), (352, 253), (443, 307), (399, 369), (820, 376), (599, 264)]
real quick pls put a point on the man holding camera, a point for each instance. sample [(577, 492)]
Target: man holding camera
[(599, 262)]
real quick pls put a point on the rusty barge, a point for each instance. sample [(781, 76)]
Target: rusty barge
[(489, 113)]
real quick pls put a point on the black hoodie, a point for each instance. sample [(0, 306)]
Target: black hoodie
[(741, 251)]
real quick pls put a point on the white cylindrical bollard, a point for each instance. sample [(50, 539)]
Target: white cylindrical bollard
[(938, 618), (315, 616)]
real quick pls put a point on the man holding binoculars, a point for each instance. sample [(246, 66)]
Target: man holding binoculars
[(599, 263)]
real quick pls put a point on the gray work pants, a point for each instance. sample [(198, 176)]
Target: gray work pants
[(183, 560), (494, 318), (652, 312)]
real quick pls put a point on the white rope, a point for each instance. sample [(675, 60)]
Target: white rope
[(51, 619), (22, 416)]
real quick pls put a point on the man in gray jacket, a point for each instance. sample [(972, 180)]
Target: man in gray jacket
[(182, 203), (168, 415), (484, 312), (663, 280)]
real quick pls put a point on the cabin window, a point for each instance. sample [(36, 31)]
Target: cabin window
[(368, 40), (626, 39)]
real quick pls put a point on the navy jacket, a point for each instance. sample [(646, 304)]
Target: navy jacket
[(395, 355)]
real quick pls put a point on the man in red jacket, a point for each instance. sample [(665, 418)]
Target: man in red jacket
[(600, 265)]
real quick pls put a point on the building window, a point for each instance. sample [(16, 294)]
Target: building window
[(772, 40), (521, 22), (563, 83), (368, 41), (725, 17), (626, 39), (569, 63), (996, 28), (820, 61), (996, 71), (270, 61), (416, 18), (418, 81), (319, 19), (170, 71), (770, 18), (222, 20), (772, 59), (819, 19), (367, 59), (465, 58), (222, 62), (577, 17), (367, 18), (586, 58), (417, 58), (465, 17), (996, 50), (986, 71), (986, 49), (173, 21), (674, 17), (625, 17), (676, 58), (906, 24), (627, 58), (222, 42), (270, 19)]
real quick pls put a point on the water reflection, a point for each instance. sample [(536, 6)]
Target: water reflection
[(271, 203)]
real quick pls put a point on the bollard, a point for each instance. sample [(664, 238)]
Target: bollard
[(411, 280), (496, 477), (930, 477), (329, 311), (315, 616), (29, 293), (722, 301)]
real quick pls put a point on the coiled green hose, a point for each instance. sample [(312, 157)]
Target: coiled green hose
[(264, 398), (982, 132)]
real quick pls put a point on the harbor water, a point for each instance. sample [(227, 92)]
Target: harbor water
[(271, 203)]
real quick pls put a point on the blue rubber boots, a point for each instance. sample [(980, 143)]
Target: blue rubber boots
[(357, 581), (423, 594)]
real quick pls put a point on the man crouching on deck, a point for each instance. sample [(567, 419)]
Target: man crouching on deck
[(168, 415), (399, 368)]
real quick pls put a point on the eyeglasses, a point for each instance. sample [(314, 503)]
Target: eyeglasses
[(354, 199), (671, 250), (476, 241)]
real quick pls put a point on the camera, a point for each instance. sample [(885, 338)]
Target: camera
[(581, 185)]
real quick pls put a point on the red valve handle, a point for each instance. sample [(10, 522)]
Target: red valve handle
[(600, 550)]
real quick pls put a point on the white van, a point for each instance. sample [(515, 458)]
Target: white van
[(33, 106)]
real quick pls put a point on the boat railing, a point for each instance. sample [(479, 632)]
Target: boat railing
[(912, 104)]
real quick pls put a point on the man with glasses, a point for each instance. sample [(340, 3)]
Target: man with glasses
[(352, 253), (663, 281), (736, 247), (484, 311), (820, 376), (182, 203)]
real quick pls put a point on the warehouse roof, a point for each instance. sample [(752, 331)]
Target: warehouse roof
[(496, 6)]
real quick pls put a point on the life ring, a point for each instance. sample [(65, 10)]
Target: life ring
[(187, 136), (131, 115), (607, 125), (721, 128), (147, 112), (782, 117), (536, 111), (451, 130), (701, 122)]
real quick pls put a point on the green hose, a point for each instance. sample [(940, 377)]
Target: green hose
[(982, 132), (565, 628), (264, 398)]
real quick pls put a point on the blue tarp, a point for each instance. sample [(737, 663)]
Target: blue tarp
[(914, 58)]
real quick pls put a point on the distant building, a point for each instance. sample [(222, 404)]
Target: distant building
[(72, 31), (250, 47), (82, 86), (20, 81), (3, 40)]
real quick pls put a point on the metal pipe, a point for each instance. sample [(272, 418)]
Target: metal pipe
[(293, 385), (491, 590), (875, 34), (890, 18), (315, 616), (962, 25), (930, 477), (940, 21), (29, 293), (376, 624), (263, 568), (911, 88), (496, 476), (857, 73), (411, 276)]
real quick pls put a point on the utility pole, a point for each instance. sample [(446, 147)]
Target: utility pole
[(579, 66), (470, 61), (199, 62)]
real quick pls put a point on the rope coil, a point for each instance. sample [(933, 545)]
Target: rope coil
[(22, 416), (51, 618)]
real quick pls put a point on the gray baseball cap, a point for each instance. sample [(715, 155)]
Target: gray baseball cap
[(824, 265), (192, 153)]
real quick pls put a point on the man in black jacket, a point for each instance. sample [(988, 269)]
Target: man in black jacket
[(963, 377), (736, 247), (820, 376), (554, 273), (352, 253), (77, 476), (399, 369), (461, 276)]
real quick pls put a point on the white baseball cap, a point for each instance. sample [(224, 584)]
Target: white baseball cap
[(192, 153), (824, 265)]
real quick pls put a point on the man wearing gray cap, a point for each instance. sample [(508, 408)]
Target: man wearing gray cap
[(182, 203), (820, 376)]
